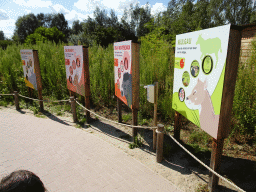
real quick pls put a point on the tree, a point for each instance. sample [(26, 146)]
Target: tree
[(2, 35), (43, 34), (76, 27), (25, 26), (238, 12)]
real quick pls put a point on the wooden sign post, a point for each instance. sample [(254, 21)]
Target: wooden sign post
[(32, 74), (126, 66), (155, 114), (232, 61), (77, 73), (206, 64)]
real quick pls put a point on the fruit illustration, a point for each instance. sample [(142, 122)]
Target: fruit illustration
[(78, 62), (182, 63), (67, 62), (74, 64), (119, 73), (125, 63), (71, 70), (122, 66)]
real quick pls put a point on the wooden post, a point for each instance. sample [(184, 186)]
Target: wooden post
[(155, 114), (177, 125), (231, 68), (40, 96), (16, 99), (73, 108), (160, 142), (87, 82), (134, 122), (119, 110), (217, 147), (135, 86)]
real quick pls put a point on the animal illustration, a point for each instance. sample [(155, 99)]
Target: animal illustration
[(127, 88), (200, 96), (209, 46)]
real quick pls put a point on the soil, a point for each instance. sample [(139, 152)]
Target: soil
[(238, 161)]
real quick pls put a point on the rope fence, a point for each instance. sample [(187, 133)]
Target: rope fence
[(143, 127), (205, 165), (48, 101), (5, 94), (131, 126)]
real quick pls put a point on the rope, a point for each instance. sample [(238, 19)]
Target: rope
[(205, 165), (132, 126), (6, 94), (44, 100)]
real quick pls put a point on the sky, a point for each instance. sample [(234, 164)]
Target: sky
[(10, 10)]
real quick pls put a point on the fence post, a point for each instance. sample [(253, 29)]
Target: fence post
[(16, 99), (73, 108), (160, 142), (155, 114), (177, 125), (119, 110), (40, 96)]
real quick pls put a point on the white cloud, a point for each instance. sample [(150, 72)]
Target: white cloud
[(3, 15), (117, 5), (59, 9), (73, 15), (88, 5), (158, 7), (7, 26), (33, 3)]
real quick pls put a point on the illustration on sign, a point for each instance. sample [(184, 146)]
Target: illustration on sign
[(28, 68), (75, 69), (200, 60), (123, 71)]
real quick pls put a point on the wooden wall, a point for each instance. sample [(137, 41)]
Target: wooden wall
[(248, 33)]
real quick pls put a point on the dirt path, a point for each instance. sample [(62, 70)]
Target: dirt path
[(179, 168)]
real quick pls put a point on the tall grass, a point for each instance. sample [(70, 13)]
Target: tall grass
[(244, 104), (156, 64)]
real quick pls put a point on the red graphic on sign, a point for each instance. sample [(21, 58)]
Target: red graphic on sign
[(182, 63)]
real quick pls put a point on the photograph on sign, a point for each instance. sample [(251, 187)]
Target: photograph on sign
[(123, 71), (28, 68), (75, 69), (199, 68)]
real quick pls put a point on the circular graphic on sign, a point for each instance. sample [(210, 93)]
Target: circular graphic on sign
[(78, 62), (181, 94), (74, 64), (30, 62), (122, 66), (182, 63), (119, 73), (71, 70), (207, 64), (118, 84), (67, 62), (194, 69), (70, 79), (125, 63), (185, 78)]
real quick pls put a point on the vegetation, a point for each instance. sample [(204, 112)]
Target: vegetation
[(156, 36)]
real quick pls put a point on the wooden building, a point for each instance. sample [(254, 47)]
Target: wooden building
[(248, 34)]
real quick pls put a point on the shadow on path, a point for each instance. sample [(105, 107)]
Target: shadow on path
[(240, 171)]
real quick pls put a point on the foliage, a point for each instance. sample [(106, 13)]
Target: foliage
[(42, 34), (5, 43), (27, 24), (244, 105), (2, 35), (137, 143)]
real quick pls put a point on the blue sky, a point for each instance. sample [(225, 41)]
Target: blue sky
[(10, 10)]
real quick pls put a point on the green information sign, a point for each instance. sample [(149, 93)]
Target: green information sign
[(200, 60)]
